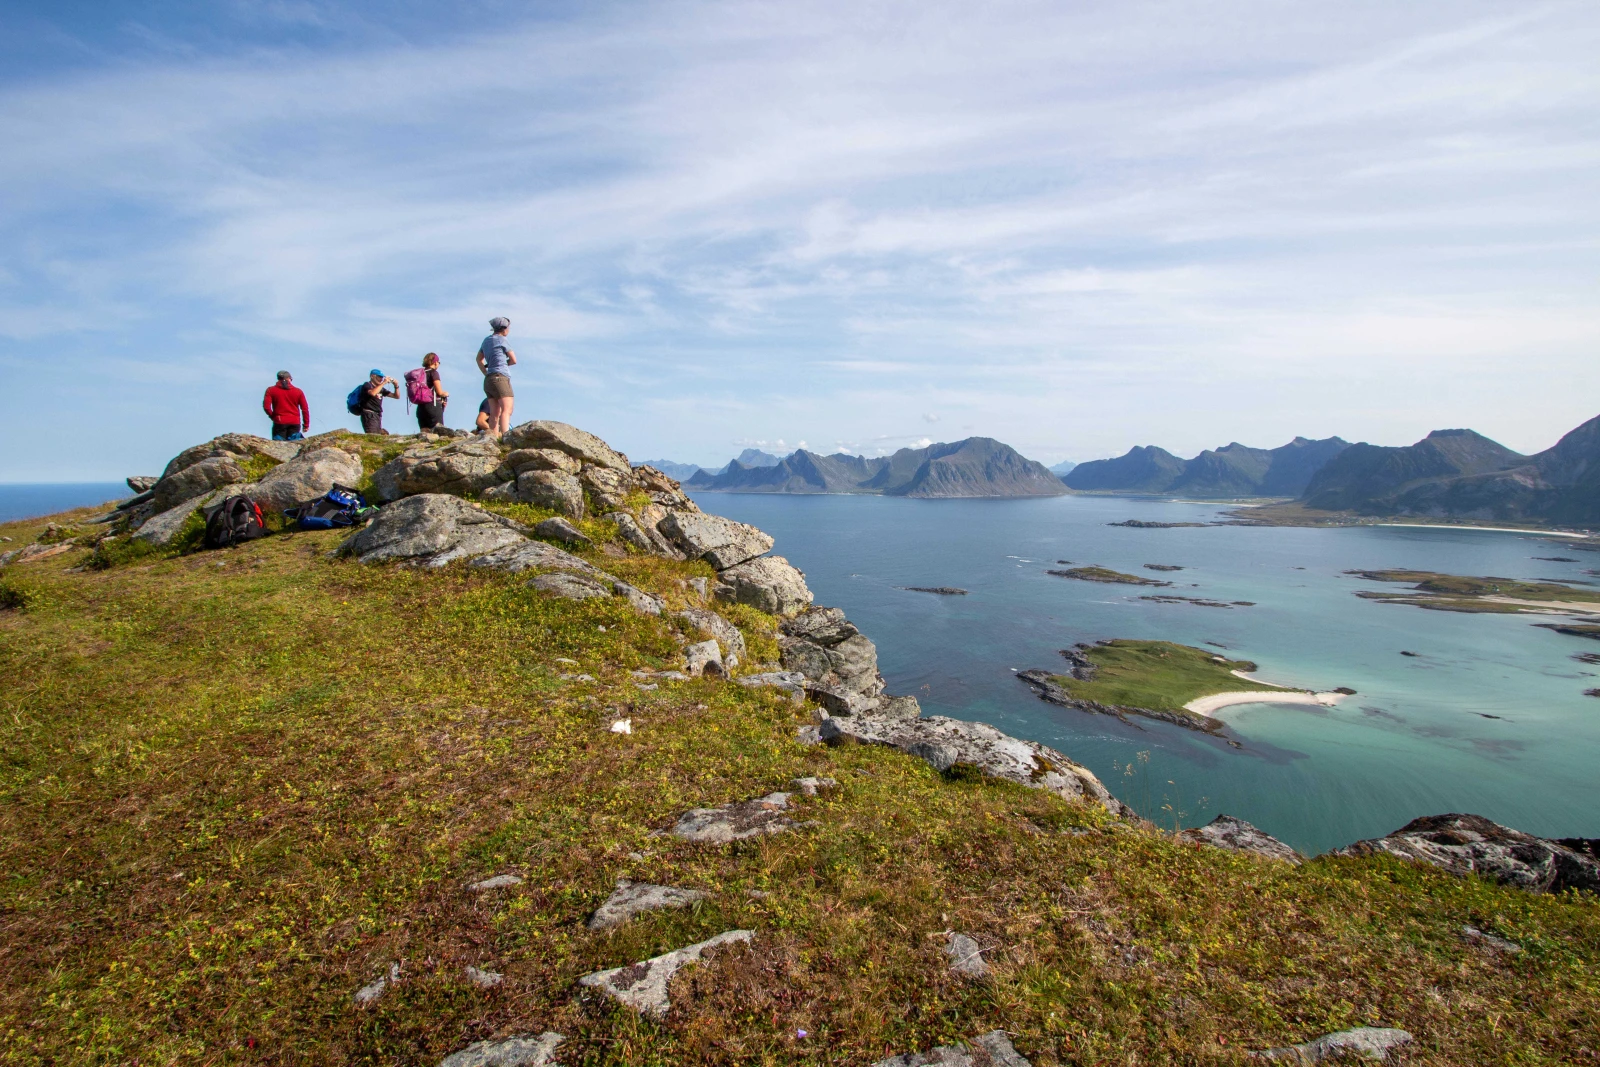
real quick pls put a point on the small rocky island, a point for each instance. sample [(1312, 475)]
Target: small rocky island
[(1506, 596), (1105, 574)]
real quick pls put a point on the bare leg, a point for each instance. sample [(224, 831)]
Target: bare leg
[(504, 423)]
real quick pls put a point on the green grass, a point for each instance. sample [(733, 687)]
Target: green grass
[(1106, 574), (1158, 675), (235, 786)]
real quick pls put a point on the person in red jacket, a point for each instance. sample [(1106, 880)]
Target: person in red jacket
[(286, 406)]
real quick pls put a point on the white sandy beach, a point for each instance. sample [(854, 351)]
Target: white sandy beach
[(1485, 529), (1217, 701)]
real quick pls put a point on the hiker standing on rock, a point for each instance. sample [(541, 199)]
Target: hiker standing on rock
[(372, 396), (495, 360), (427, 391), (286, 406)]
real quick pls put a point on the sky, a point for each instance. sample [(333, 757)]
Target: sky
[(1072, 226)]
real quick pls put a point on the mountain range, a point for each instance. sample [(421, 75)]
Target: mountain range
[(1230, 472), (975, 467), (750, 457)]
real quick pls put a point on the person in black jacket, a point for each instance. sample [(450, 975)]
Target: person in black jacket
[(373, 394)]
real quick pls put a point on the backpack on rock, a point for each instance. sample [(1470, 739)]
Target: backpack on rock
[(342, 506), (236, 519)]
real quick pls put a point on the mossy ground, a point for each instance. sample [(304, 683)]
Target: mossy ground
[(1158, 674), (235, 786)]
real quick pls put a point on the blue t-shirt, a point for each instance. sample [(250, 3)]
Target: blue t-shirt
[(493, 350)]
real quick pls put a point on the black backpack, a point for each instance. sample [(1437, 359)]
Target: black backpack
[(236, 519)]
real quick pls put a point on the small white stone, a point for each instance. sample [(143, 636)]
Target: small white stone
[(484, 979), (499, 881), (622, 726)]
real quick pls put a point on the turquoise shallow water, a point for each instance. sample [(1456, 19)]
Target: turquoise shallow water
[(1417, 738)]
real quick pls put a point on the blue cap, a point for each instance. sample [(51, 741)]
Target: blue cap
[(375, 372)]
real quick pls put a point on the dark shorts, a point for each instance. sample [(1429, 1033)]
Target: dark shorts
[(286, 431), (497, 386), (372, 422), (430, 415)]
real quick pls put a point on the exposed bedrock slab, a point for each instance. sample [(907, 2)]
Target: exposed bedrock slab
[(943, 743), (308, 476), (987, 1050), (197, 479), (524, 1051), (827, 648), (713, 625), (562, 530), (1236, 835), (431, 529), (468, 466), (556, 490), (635, 898), (524, 555), (643, 986), (737, 821), (1366, 1042), (542, 459), (1472, 844), (161, 529), (229, 445), (580, 444), (721, 542), (608, 488), (571, 586), (770, 584), (643, 537)]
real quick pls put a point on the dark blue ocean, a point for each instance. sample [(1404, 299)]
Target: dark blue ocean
[(26, 501), (1489, 717)]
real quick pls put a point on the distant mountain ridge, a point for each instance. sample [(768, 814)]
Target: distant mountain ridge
[(1231, 472), (975, 467), (1462, 474)]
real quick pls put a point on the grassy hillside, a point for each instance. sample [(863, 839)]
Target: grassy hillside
[(1158, 674), (236, 786)]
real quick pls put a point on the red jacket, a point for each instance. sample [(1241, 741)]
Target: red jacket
[(285, 405)]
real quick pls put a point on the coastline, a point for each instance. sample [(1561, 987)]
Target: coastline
[(1486, 529), (1209, 705)]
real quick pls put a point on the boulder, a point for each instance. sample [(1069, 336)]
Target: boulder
[(562, 530), (663, 490), (640, 601), (824, 626), (571, 586), (542, 459), (306, 477), (468, 466), (852, 664), (714, 625), (1366, 1042), (1472, 844), (635, 898), (538, 555), (160, 529), (791, 682), (721, 542), (645, 538), (988, 1050), (703, 658), (196, 479), (735, 822), (432, 529), (643, 985), (232, 446), (767, 584), (585, 446), (1236, 835), (521, 1051), (943, 743), (556, 490), (897, 708), (608, 488), (142, 483)]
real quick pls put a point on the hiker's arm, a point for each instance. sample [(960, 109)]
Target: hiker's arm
[(511, 358), (305, 412), (438, 387), (483, 366), (374, 388), (266, 402)]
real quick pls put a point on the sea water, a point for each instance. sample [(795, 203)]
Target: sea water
[(27, 500), (1489, 717)]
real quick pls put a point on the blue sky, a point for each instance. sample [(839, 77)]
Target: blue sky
[(1072, 226)]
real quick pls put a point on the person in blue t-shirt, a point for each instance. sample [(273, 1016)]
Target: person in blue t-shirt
[(495, 359), (483, 417)]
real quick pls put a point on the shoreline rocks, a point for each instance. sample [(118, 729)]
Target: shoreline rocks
[(1236, 835), (1472, 844)]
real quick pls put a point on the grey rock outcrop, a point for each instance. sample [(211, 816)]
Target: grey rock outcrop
[(468, 466), (713, 625), (1472, 844), (966, 957), (162, 528), (570, 586), (609, 488), (142, 483), (993, 1049), (723, 543), (556, 490), (307, 476), (635, 898), (735, 822), (644, 538), (542, 459), (943, 743), (1236, 835), (585, 446), (521, 556), (824, 646), (640, 601), (235, 446), (792, 682), (1366, 1042), (521, 1051), (196, 479), (562, 530), (432, 529), (770, 584), (703, 658), (643, 986)]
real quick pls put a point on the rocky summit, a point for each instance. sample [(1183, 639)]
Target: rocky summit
[(545, 764)]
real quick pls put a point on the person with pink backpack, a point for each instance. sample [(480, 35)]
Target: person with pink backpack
[(425, 389)]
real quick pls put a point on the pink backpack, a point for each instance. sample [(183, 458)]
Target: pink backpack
[(417, 389)]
